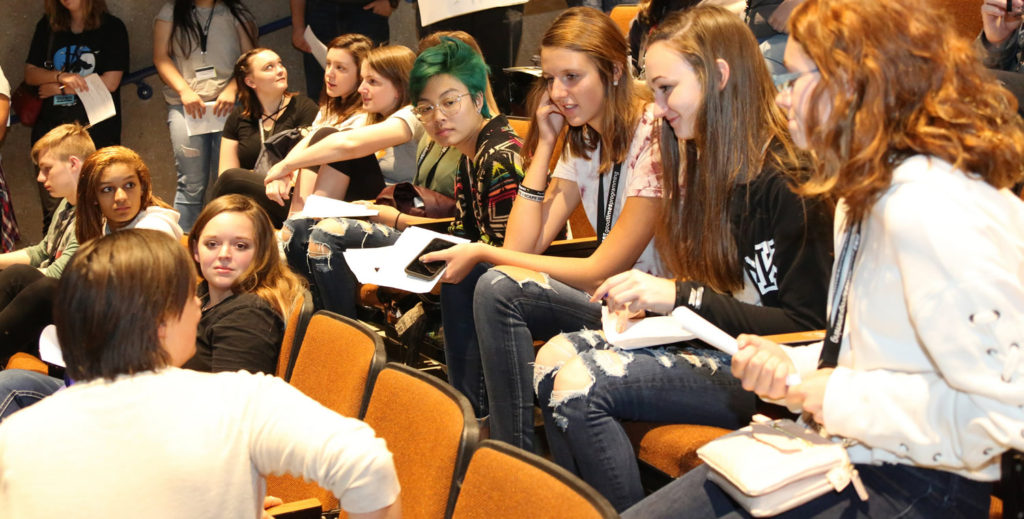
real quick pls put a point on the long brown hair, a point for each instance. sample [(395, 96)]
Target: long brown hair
[(587, 30), (251, 107), (60, 17), (88, 217), (738, 128), (337, 109), (267, 276), (394, 62), (897, 87)]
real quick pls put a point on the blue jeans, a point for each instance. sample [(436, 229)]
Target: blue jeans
[(509, 313), (329, 20), (461, 350), (894, 491), (21, 388), (675, 384), (315, 250), (196, 159)]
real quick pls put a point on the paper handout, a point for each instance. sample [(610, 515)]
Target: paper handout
[(97, 101), (385, 266), (316, 47), (705, 331), (208, 123), (436, 10), (324, 207), (639, 333)]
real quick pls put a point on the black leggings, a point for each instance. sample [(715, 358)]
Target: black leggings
[(26, 307)]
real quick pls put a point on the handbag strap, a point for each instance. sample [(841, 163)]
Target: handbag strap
[(837, 317), (433, 169)]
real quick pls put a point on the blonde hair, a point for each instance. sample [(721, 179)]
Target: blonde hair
[(267, 276), (65, 141), (593, 33)]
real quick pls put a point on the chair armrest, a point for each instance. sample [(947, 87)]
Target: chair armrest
[(573, 248), (797, 338), (305, 509), (433, 224)]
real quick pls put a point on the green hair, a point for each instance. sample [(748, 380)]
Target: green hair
[(456, 59)]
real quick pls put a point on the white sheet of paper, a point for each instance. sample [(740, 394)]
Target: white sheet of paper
[(436, 10), (385, 266), (49, 347), (324, 207), (640, 333), (98, 103), (208, 123), (705, 331), (316, 47)]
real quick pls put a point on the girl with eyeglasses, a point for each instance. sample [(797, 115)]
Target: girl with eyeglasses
[(921, 372), (608, 166), (448, 83)]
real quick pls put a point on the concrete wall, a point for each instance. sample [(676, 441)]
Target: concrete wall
[(145, 129)]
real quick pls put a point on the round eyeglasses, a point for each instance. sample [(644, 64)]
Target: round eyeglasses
[(449, 106)]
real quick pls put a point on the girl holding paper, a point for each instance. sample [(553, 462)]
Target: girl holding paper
[(195, 45), (448, 83), (71, 41), (927, 309), (755, 257)]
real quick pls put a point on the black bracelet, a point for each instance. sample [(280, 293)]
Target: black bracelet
[(530, 191), (682, 292), (397, 216), (532, 195)]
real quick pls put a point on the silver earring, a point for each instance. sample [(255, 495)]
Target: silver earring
[(615, 83)]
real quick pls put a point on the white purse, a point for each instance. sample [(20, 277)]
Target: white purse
[(772, 466)]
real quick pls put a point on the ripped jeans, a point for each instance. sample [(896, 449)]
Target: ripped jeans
[(314, 250), (675, 384), (509, 313), (196, 160)]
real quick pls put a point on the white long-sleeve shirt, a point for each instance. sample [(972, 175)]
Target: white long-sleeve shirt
[(177, 443), (931, 371)]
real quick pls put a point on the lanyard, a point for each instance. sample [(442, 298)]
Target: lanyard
[(837, 320), (204, 32), (605, 213)]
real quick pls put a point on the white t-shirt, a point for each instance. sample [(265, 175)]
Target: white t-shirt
[(398, 164), (178, 443), (222, 49), (640, 176), (5, 87)]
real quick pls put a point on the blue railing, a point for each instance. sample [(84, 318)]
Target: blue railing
[(145, 91)]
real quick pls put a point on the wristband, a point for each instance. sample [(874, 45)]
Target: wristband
[(397, 216), (688, 296), (681, 292), (532, 195)]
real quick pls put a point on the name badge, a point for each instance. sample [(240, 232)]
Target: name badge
[(206, 72), (64, 100)]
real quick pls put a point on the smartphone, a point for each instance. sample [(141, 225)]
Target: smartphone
[(423, 270)]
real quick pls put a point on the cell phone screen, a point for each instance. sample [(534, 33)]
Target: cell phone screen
[(423, 270)]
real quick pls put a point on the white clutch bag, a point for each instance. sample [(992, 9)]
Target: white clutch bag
[(772, 466)]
